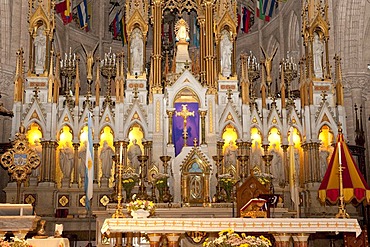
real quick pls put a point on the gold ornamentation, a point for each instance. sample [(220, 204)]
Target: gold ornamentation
[(230, 117), (104, 200), (21, 159), (196, 237), (63, 200), (83, 200), (30, 199), (181, 5)]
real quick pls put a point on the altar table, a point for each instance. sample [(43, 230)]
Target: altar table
[(49, 242), (269, 225)]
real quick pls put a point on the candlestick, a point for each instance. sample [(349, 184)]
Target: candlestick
[(120, 154)]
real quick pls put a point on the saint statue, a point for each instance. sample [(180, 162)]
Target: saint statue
[(40, 49), (82, 158), (106, 157), (318, 50), (256, 156), (226, 52), (133, 152), (66, 160), (323, 157), (296, 165), (230, 154), (38, 149), (277, 169), (182, 31), (136, 51)]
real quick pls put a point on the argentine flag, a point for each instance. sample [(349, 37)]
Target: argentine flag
[(89, 172)]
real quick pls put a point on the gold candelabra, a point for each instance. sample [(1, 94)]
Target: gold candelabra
[(243, 163), (290, 73), (218, 159), (142, 189), (108, 70), (267, 159), (165, 159), (68, 70), (253, 71), (167, 197)]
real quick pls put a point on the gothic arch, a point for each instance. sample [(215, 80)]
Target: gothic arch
[(109, 125), (294, 34), (136, 123)]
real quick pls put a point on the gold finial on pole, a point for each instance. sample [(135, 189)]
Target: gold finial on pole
[(342, 207)]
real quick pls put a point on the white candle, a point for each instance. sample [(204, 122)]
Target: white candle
[(120, 154), (339, 153)]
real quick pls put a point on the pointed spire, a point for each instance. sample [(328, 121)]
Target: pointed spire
[(19, 80), (97, 83), (263, 87), (339, 81), (282, 81), (122, 81), (57, 79), (77, 82), (51, 78), (117, 79)]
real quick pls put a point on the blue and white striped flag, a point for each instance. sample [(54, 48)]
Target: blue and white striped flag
[(89, 172), (83, 15)]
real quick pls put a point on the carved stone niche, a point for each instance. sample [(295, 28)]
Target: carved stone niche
[(250, 189)]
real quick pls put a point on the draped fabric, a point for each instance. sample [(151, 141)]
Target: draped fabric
[(355, 188)]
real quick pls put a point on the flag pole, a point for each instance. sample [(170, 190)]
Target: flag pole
[(89, 237), (89, 173), (342, 208)]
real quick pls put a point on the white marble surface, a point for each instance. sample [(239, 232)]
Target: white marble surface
[(271, 225)]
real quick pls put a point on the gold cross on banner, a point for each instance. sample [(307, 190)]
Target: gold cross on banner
[(185, 113)]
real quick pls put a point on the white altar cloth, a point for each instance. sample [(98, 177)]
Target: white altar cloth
[(49, 242), (271, 225)]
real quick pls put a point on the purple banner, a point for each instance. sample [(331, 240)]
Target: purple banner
[(192, 125)]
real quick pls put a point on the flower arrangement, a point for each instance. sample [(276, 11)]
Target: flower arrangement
[(161, 180), (263, 178), (227, 181), (16, 242), (228, 238), (129, 180), (140, 204)]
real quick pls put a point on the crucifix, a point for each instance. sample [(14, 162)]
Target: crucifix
[(185, 113)]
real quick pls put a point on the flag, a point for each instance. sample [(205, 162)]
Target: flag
[(293, 183), (64, 8), (83, 15), (265, 9), (123, 30), (246, 19), (115, 26), (89, 171), (118, 27)]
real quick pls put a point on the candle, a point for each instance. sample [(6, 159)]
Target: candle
[(120, 154), (340, 155)]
